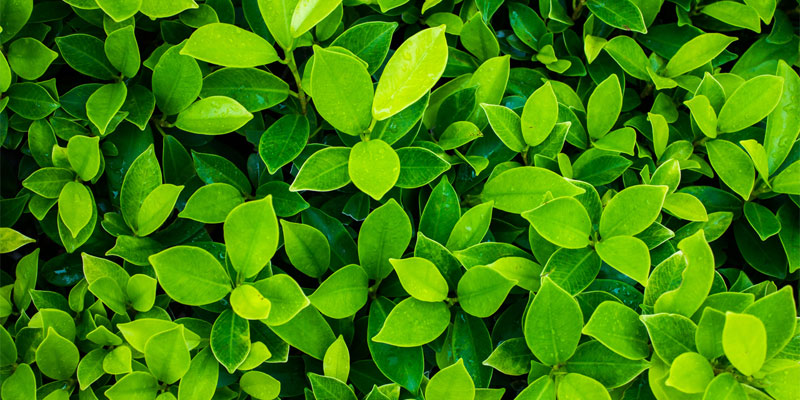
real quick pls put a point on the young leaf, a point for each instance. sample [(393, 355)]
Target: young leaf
[(553, 309), (374, 167), (451, 383), (229, 46), (411, 72), (347, 110), (215, 115), (251, 236), (414, 323), (191, 275), (539, 115), (744, 340), (420, 278)]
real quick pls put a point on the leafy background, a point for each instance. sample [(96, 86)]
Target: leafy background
[(323, 199)]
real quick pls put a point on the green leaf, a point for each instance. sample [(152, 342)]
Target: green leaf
[(604, 106), (75, 207), (29, 58), (386, 233), (307, 14), (553, 309), (336, 362), (343, 293), (48, 182), (539, 115), (478, 38), (56, 357), (215, 115), (628, 255), (159, 9), (412, 71), (733, 13), (308, 332), (697, 280), (254, 89), (763, 221), (248, 303), (401, 365), (725, 387), (458, 134), (283, 141), (776, 313), (230, 340), (324, 171), (20, 385), (414, 323), (120, 10), (619, 328), (31, 101), (86, 54), (671, 335), (156, 208), (136, 385), (629, 55), (581, 387), (347, 110), (374, 167), (621, 14), (307, 248), (471, 227), (690, 373), (167, 356), (542, 388), (211, 204), (419, 166), (286, 297), (507, 125), (744, 340), (200, 381), (212, 168), (783, 124), (511, 357), (84, 156), (251, 236), (177, 81), (191, 275), (143, 176), (368, 41), (749, 103), (15, 14), (703, 114), (420, 278), (733, 166), (260, 385), (229, 46), (441, 212), (326, 388), (697, 52), (121, 48), (598, 362), (277, 15), (141, 290), (523, 188), (451, 383), (632, 210), (563, 221), (482, 290)]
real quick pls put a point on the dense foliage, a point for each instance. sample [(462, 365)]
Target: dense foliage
[(395, 199)]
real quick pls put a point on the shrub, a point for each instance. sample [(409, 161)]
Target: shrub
[(441, 200)]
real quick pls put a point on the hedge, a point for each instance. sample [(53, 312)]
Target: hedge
[(395, 199)]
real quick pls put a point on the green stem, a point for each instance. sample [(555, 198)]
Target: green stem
[(293, 68)]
